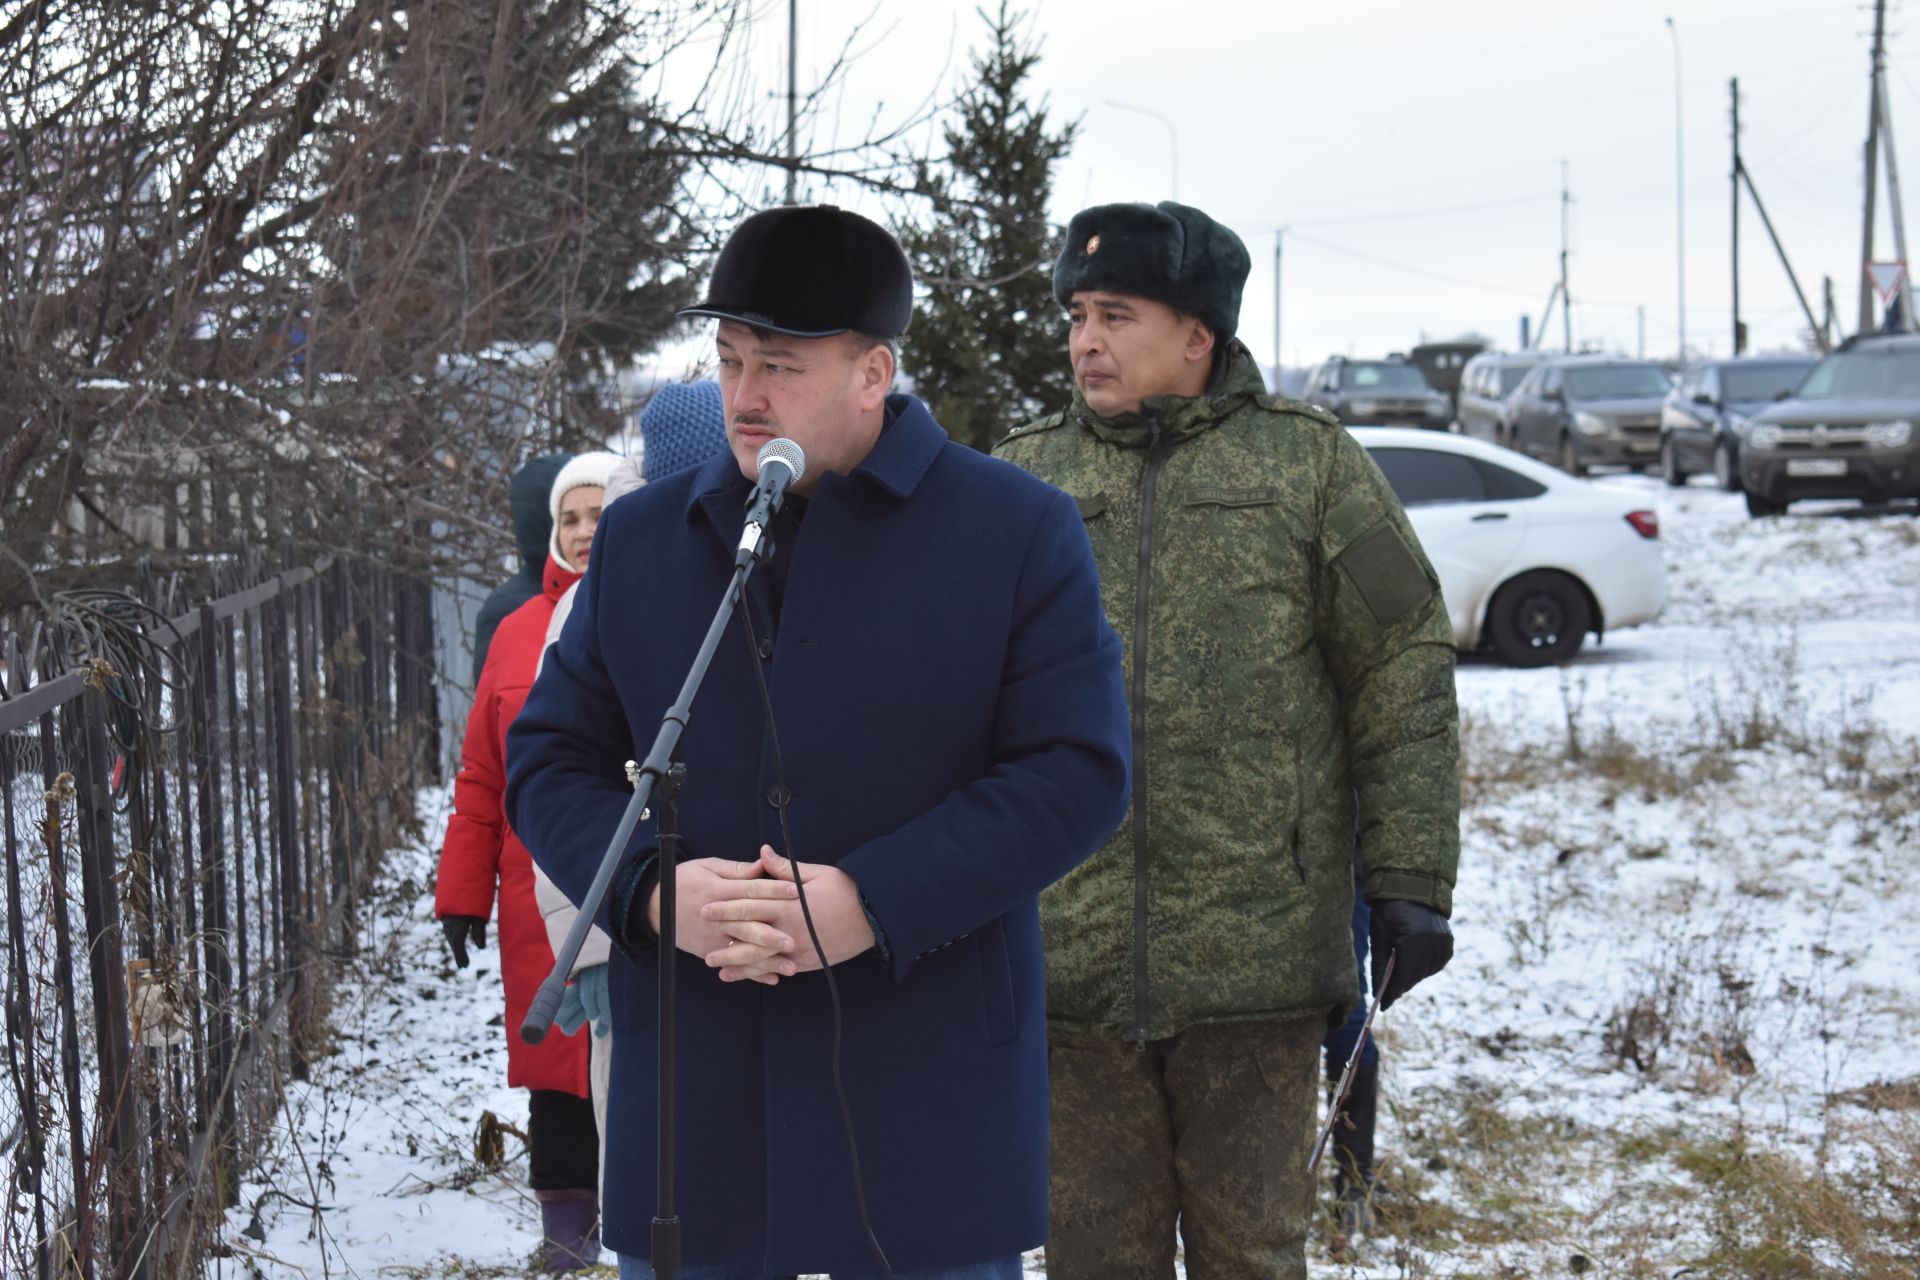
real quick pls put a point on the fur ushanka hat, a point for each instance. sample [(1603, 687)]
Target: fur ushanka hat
[(1172, 253)]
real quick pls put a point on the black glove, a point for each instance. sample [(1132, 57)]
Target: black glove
[(1413, 931), (458, 929)]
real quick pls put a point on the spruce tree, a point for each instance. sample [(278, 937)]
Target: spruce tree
[(987, 350)]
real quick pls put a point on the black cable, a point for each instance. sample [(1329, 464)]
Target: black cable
[(806, 913)]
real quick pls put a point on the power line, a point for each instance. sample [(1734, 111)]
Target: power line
[(1242, 146), (1531, 295), (1427, 213), (1421, 188), (1428, 57)]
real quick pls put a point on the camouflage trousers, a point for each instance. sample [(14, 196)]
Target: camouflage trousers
[(1206, 1133)]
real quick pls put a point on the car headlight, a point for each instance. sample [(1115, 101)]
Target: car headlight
[(1365, 408), (1890, 435), (1737, 423), (1589, 424), (1765, 435)]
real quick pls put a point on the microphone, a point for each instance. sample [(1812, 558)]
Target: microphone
[(779, 464)]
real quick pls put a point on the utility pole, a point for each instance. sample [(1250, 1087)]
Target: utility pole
[(1566, 299), (1739, 330), (1873, 162), (1679, 190), (1895, 211), (1760, 207), (793, 96), (1278, 238)]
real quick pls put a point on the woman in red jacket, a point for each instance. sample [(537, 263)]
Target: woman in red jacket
[(482, 855)]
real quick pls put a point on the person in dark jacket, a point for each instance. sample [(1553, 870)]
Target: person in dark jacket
[(952, 737), (532, 531)]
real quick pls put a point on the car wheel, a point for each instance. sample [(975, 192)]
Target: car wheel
[(1760, 508), (1570, 457), (1724, 469), (1538, 619), (1670, 469)]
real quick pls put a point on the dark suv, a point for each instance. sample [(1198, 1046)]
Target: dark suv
[(1377, 393), (1579, 410), (1848, 431), (1705, 417)]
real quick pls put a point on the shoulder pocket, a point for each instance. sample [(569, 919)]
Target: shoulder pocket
[(1384, 571), (1211, 496)]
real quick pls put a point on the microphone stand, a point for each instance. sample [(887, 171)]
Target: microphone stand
[(658, 774)]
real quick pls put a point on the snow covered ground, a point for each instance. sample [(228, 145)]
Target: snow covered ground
[(1677, 1036)]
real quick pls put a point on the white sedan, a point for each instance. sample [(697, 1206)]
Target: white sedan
[(1530, 559)]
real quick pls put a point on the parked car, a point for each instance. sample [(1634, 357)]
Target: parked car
[(1530, 560), (1580, 410), (1383, 392), (1847, 431), (1443, 363), (1704, 417), (1480, 409)]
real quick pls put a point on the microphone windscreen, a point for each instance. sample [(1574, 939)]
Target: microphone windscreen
[(781, 450)]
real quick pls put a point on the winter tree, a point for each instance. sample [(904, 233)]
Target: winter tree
[(294, 276), (987, 350)]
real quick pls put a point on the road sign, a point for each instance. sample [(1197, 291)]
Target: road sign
[(1887, 278)]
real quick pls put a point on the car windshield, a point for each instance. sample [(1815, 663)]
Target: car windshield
[(1382, 377), (1761, 381), (1511, 375), (1617, 381), (1865, 375)]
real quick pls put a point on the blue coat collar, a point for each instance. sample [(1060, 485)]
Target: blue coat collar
[(899, 460)]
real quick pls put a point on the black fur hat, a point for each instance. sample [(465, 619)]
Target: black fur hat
[(811, 271), (1172, 253)]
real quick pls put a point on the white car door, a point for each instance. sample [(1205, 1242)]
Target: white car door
[(1470, 536)]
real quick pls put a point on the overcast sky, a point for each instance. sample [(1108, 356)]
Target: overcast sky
[(1414, 149)]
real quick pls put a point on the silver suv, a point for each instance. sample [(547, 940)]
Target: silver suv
[(1485, 384)]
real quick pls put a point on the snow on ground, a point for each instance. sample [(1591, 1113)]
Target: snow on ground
[(1692, 930)]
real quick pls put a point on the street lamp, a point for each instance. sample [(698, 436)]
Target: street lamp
[(1679, 187), (1173, 136)]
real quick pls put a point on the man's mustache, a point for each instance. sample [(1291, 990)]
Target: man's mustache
[(751, 420)]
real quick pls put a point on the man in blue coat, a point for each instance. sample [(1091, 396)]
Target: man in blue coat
[(952, 737)]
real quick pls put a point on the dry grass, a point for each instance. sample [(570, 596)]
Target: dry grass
[(1480, 1186)]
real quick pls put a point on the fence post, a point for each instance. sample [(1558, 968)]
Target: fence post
[(31, 1161), (83, 1224), (216, 936), (107, 962)]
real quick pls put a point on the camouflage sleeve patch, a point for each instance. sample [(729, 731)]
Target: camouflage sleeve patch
[(1385, 572)]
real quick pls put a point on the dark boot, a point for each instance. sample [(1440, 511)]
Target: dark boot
[(1353, 1149), (570, 1227)]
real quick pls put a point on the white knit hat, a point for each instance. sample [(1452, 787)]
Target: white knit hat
[(584, 469)]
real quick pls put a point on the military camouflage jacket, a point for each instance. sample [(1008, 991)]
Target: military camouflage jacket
[(1289, 662)]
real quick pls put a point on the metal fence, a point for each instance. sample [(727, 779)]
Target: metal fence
[(191, 805)]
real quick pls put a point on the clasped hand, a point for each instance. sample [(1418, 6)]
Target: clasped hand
[(743, 918)]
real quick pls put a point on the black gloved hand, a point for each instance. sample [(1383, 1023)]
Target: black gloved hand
[(458, 929), (1415, 932)]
